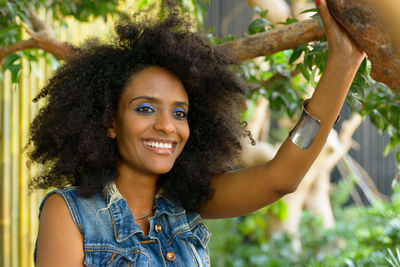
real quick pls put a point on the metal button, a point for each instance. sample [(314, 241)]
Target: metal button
[(157, 227), (170, 256)]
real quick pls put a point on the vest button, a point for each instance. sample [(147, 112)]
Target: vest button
[(170, 256), (157, 227)]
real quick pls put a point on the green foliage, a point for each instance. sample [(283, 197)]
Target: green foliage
[(14, 14), (393, 259), (363, 236), (276, 78), (282, 85)]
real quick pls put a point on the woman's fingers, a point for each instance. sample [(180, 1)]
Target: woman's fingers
[(324, 13), (339, 41)]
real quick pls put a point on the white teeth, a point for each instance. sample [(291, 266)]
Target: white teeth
[(158, 145)]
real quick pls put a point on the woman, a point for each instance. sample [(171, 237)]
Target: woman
[(147, 131)]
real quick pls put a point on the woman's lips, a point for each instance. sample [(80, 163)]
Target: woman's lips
[(160, 147)]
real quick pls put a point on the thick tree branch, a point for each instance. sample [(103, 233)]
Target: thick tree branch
[(276, 40), (43, 37), (246, 48), (18, 46)]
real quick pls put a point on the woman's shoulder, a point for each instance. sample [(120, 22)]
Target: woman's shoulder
[(57, 231), (72, 196)]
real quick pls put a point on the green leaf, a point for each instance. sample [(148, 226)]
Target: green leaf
[(11, 8), (309, 11), (304, 70), (309, 61), (363, 66), (398, 157), (295, 55), (25, 19), (258, 25), (15, 72), (9, 60), (29, 55), (262, 13), (288, 21), (8, 32), (142, 4)]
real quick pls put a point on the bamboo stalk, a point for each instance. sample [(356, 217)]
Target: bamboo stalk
[(15, 162), (6, 171), (24, 177)]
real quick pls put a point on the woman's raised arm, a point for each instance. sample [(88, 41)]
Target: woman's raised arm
[(240, 192)]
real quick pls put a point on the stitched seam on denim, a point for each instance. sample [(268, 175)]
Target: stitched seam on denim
[(113, 251), (112, 258), (207, 237), (161, 255), (194, 221), (71, 207), (198, 259), (114, 226), (190, 251), (147, 241), (76, 213), (179, 232)]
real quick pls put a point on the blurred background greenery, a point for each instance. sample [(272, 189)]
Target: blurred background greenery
[(358, 226)]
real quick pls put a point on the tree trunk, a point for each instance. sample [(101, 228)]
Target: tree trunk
[(373, 26)]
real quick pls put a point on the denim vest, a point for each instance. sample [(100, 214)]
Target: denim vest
[(112, 238)]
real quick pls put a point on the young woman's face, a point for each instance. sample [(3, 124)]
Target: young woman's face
[(151, 124)]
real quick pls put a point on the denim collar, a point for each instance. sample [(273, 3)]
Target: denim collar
[(123, 223), (165, 206)]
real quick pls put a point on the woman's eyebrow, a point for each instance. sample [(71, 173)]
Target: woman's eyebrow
[(181, 103), (142, 97)]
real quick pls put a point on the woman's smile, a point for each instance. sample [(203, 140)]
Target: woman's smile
[(163, 147)]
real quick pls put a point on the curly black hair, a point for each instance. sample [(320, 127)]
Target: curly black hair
[(69, 135)]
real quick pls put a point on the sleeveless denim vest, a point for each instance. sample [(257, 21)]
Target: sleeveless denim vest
[(112, 238)]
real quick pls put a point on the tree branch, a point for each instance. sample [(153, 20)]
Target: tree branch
[(249, 47), (18, 46), (273, 41), (43, 37)]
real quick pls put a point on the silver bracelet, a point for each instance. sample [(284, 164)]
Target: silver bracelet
[(303, 134)]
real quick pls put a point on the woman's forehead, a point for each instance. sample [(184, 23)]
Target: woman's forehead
[(155, 82)]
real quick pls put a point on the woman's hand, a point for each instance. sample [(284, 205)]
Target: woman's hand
[(341, 45)]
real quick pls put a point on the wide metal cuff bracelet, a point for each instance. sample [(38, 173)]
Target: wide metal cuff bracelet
[(303, 134)]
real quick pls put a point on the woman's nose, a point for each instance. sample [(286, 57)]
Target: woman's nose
[(164, 123)]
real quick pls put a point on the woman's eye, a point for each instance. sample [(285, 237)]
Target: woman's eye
[(145, 108), (179, 113)]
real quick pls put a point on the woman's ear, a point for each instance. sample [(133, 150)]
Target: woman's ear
[(111, 132)]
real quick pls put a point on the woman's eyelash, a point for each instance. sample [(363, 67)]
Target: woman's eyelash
[(145, 108)]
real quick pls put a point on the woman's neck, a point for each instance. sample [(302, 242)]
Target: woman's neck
[(138, 189)]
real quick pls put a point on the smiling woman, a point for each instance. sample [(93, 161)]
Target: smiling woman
[(116, 128), (140, 137)]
